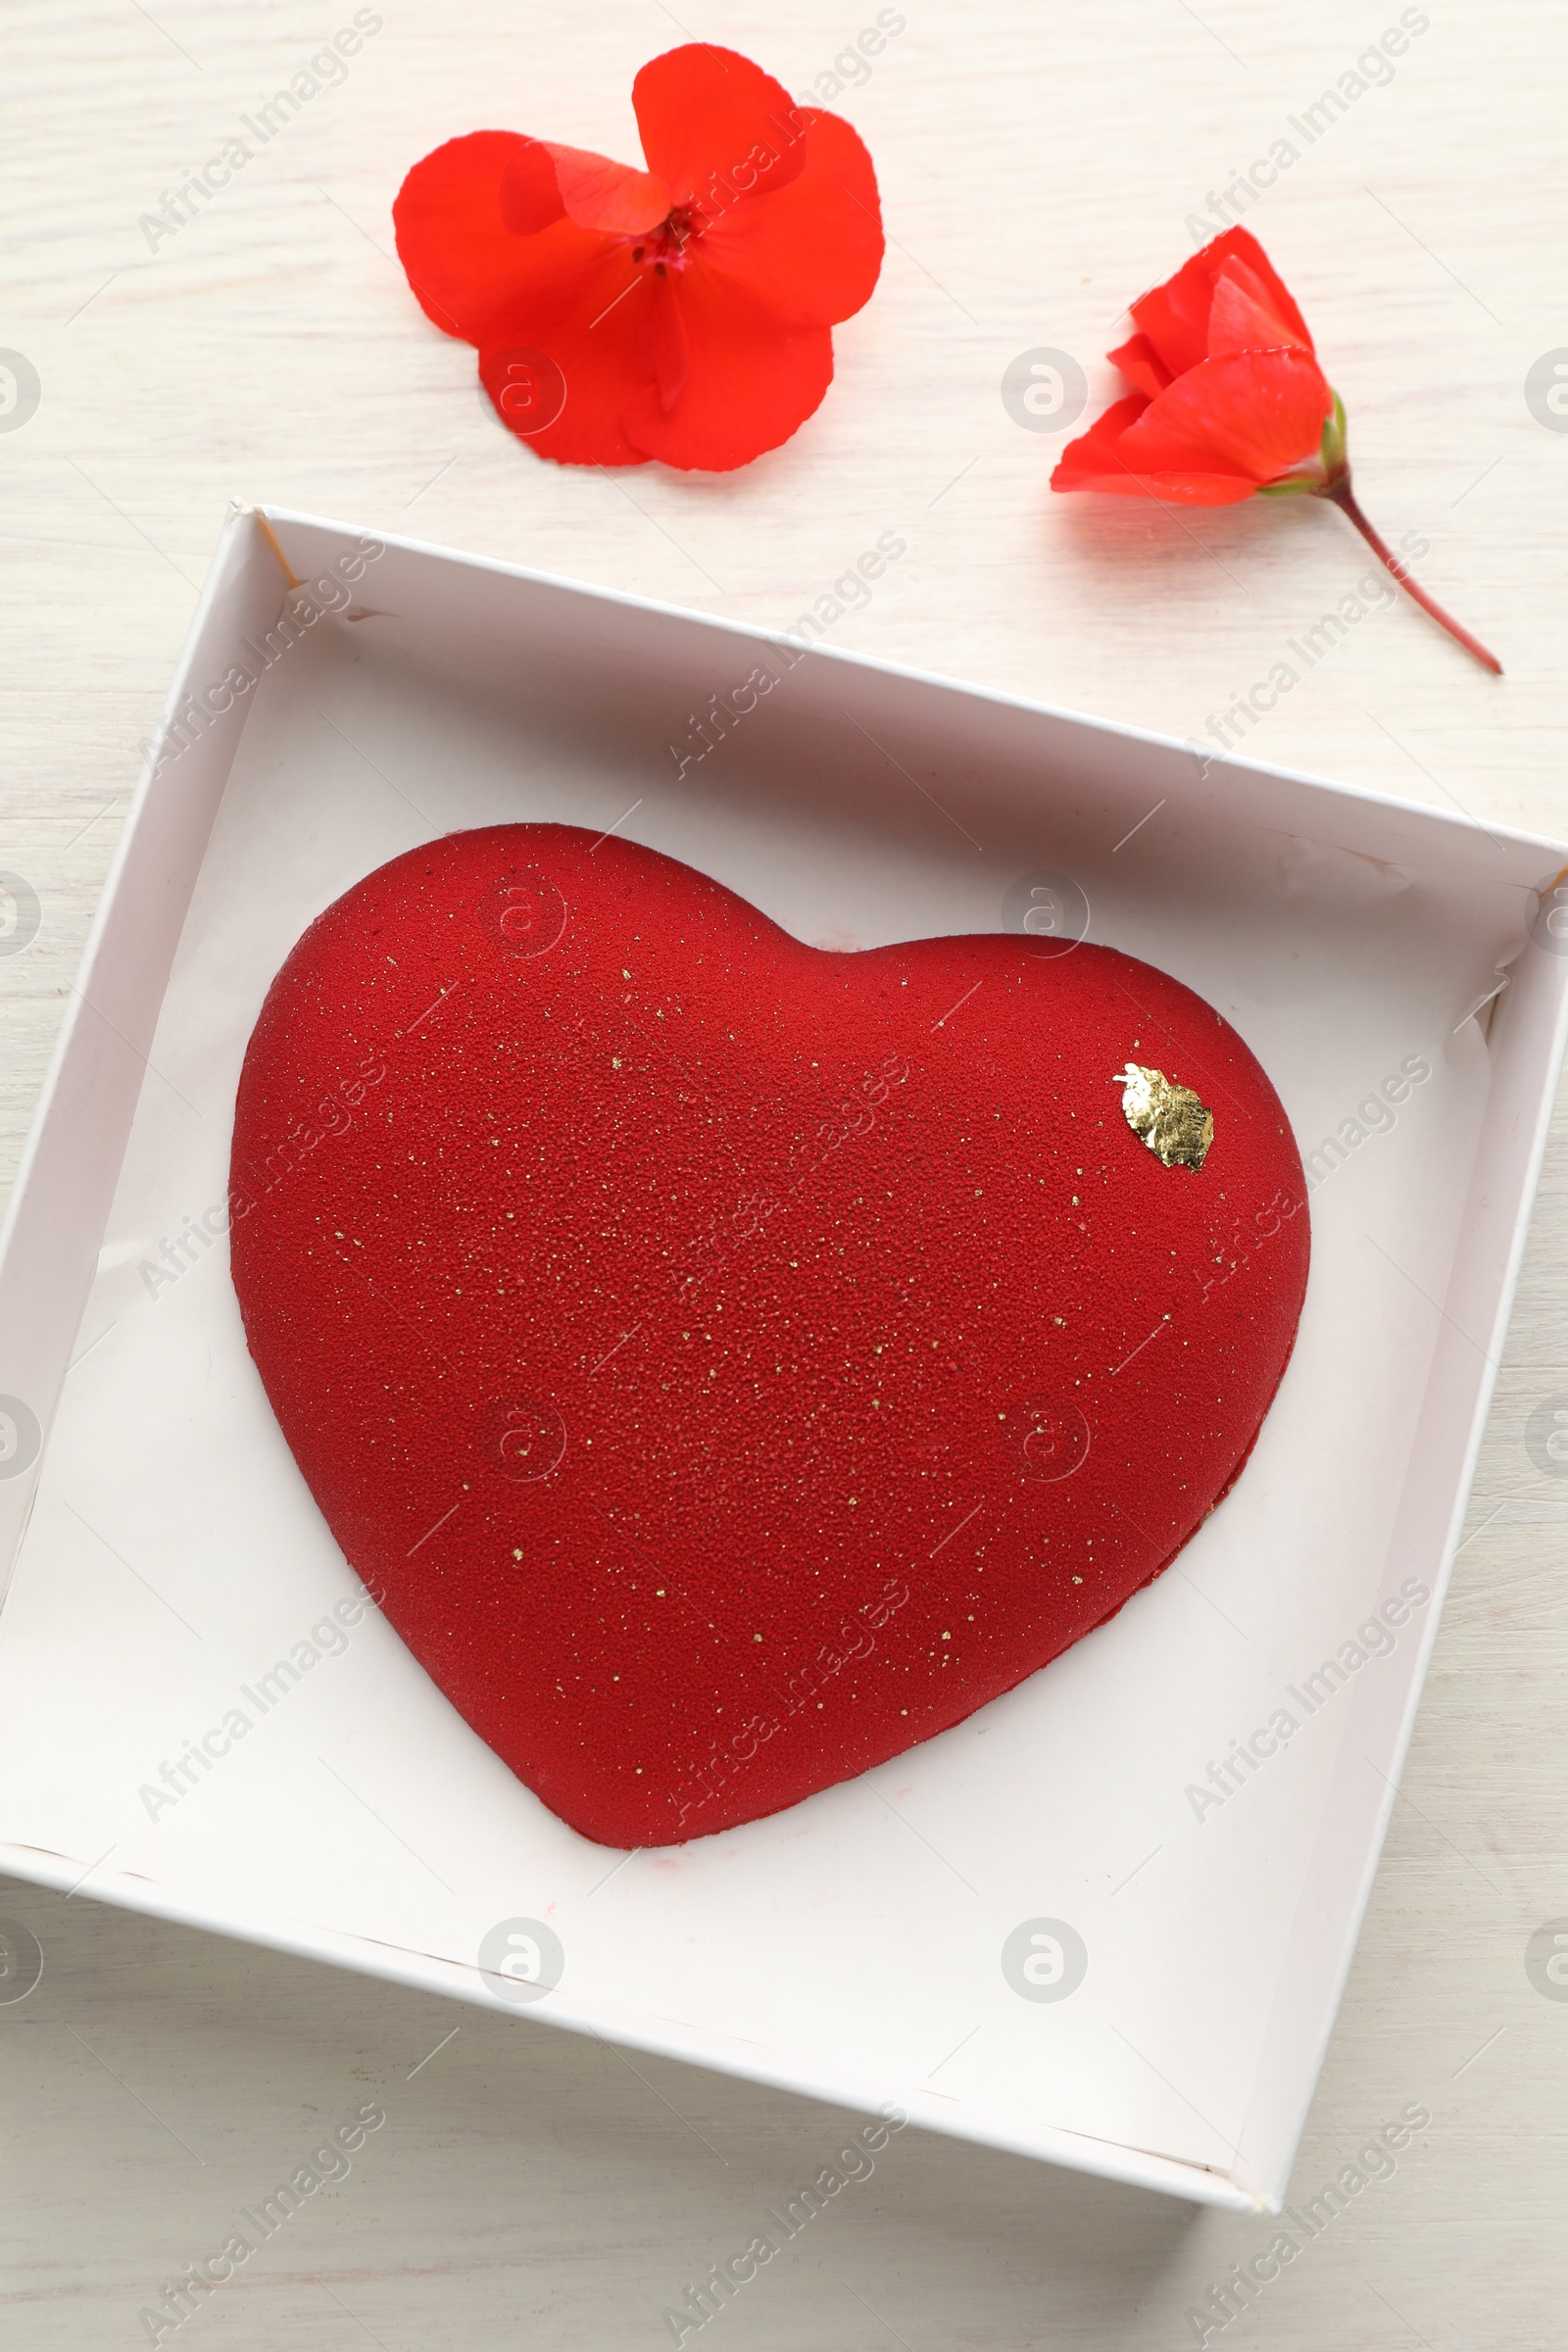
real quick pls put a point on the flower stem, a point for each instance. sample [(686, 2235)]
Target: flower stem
[(1343, 497)]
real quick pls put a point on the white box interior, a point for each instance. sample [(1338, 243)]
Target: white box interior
[(851, 1946)]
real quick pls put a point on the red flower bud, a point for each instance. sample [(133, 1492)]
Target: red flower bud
[(1230, 403)]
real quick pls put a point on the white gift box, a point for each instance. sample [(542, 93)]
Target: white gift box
[(1107, 1920)]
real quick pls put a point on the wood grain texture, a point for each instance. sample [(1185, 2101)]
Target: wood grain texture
[(1039, 165)]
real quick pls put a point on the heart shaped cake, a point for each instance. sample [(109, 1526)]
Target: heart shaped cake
[(730, 1362)]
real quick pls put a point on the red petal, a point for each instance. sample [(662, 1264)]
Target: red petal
[(1094, 461), (601, 355), (599, 194), (1094, 453), (667, 354), (1175, 316), (530, 192), (1170, 489), (527, 385), (1242, 317), (1239, 245), (705, 112), (812, 251), (1141, 365), (472, 274), (1254, 413), (750, 383)]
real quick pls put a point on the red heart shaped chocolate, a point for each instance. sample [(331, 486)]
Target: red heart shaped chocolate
[(733, 1362)]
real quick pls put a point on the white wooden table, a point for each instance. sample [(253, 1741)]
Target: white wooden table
[(1039, 165)]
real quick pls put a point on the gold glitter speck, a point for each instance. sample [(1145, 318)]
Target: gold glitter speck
[(1170, 1119)]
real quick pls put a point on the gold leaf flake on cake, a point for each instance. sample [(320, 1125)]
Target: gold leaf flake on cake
[(1170, 1119)]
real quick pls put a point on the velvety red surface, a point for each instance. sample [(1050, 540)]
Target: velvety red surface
[(735, 1362)]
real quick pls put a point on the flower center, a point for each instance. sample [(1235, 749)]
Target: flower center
[(665, 248)]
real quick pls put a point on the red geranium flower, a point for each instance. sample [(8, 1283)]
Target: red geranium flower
[(1230, 404), (1229, 391), (680, 312)]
